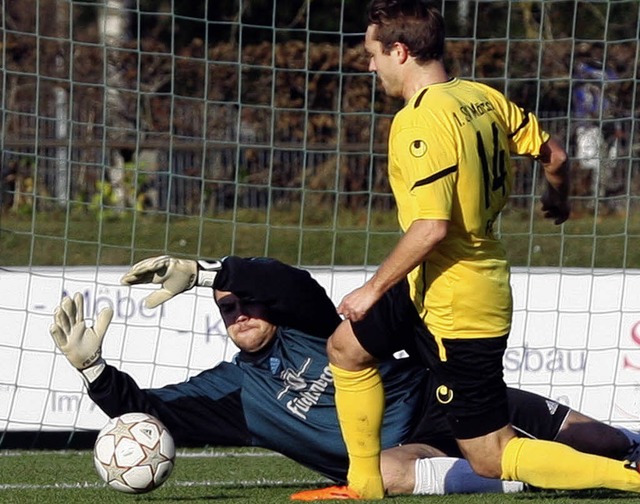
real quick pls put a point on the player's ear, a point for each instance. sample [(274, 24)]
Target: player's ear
[(400, 51)]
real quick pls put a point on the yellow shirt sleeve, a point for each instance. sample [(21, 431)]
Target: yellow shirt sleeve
[(526, 136), (425, 160)]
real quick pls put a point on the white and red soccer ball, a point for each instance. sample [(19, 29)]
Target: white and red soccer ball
[(134, 453)]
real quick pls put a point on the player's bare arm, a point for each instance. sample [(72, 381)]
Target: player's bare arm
[(554, 161), (415, 245), (555, 200)]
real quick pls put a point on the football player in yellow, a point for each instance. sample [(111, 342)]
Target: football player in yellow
[(447, 279)]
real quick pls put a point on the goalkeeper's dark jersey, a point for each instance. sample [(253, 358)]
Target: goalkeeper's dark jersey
[(281, 398)]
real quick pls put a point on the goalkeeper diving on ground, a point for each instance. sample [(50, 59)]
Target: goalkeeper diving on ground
[(278, 391)]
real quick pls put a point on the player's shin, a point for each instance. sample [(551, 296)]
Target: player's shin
[(546, 464), (360, 406), (448, 475)]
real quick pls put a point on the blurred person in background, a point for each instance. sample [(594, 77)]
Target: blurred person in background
[(598, 138)]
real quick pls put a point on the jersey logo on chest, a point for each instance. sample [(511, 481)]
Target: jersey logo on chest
[(307, 393)]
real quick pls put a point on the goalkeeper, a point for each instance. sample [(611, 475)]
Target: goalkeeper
[(278, 393)]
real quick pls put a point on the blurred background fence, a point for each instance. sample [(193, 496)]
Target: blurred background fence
[(192, 110)]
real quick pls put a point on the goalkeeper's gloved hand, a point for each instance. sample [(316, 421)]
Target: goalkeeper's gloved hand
[(81, 345), (174, 276)]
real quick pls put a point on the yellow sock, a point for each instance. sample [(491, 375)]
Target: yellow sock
[(546, 464), (360, 407)]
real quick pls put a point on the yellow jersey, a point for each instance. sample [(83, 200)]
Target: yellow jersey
[(449, 159)]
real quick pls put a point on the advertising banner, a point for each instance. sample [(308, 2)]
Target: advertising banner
[(575, 338)]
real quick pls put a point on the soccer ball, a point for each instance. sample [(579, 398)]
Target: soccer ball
[(134, 453)]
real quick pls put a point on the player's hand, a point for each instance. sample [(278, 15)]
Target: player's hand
[(555, 205), (355, 305), (174, 276), (81, 345)]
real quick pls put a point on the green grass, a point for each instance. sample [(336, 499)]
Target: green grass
[(317, 236), (224, 475)]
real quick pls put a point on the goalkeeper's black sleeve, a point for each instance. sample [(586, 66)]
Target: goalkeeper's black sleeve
[(293, 297)]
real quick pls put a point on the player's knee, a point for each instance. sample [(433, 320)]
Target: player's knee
[(486, 466), (484, 453), (485, 460), (345, 351)]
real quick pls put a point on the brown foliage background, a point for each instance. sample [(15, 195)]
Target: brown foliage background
[(242, 112)]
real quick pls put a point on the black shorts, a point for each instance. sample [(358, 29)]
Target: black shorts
[(531, 415), (390, 325), (469, 382)]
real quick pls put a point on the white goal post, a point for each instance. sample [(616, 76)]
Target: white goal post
[(254, 128)]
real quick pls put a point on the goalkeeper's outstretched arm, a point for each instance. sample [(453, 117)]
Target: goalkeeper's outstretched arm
[(292, 296)]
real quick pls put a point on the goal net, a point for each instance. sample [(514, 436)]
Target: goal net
[(205, 129)]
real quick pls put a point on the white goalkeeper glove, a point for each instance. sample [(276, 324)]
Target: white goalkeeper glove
[(174, 276), (81, 345)]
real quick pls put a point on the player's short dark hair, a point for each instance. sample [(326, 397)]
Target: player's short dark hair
[(417, 24)]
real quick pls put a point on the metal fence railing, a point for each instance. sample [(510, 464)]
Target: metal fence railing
[(191, 175)]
